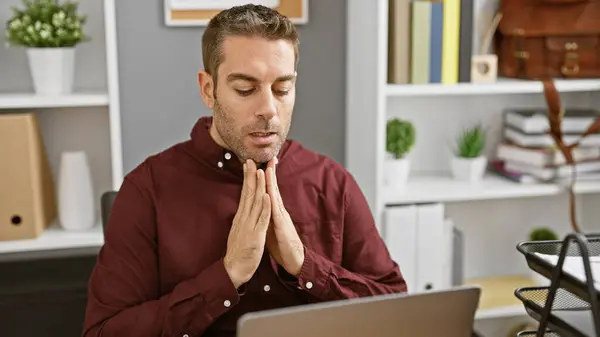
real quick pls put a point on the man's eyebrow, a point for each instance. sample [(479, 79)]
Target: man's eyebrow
[(245, 77), (239, 76)]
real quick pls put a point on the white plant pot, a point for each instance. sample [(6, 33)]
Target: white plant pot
[(52, 70), (396, 172), (468, 169), (75, 193)]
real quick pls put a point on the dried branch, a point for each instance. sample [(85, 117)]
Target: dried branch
[(555, 115)]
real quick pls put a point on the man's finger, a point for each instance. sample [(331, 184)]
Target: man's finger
[(250, 194), (257, 202), (265, 215), (275, 207), (242, 202), (276, 194)]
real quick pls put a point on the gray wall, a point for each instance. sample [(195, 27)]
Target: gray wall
[(160, 100)]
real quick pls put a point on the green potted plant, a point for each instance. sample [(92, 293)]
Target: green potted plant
[(400, 138), (469, 161), (543, 234), (49, 31)]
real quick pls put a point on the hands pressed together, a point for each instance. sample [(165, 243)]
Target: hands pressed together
[(261, 221)]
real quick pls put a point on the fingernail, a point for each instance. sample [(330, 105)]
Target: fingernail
[(276, 160), (244, 167)]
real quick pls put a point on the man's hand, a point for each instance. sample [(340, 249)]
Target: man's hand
[(246, 242), (283, 241)]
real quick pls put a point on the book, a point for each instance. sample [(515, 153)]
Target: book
[(465, 51), (535, 121), (550, 173), (420, 42), (543, 157), (399, 41), (545, 140)]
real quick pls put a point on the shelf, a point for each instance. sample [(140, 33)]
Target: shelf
[(30, 100), (501, 312), (497, 296), (55, 238), (442, 188), (502, 86)]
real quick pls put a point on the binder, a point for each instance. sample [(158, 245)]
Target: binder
[(421, 241)]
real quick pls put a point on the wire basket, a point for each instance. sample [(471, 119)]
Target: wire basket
[(534, 299), (531, 249)]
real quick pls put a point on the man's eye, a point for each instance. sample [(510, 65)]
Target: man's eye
[(281, 92), (244, 92)]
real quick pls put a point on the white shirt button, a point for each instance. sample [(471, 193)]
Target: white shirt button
[(309, 285), (267, 287), (227, 303), (227, 155), (220, 164), (185, 335)]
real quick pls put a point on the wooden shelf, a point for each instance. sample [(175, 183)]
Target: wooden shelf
[(442, 188), (502, 86), (32, 101), (497, 296), (55, 238)]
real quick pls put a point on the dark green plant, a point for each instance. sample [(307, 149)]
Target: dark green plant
[(471, 142), (542, 234), (46, 24), (400, 136)]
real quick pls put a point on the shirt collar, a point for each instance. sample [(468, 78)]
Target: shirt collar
[(213, 154)]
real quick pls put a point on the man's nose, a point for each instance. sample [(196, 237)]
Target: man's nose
[(268, 105)]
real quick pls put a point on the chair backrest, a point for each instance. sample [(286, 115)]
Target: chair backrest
[(106, 203)]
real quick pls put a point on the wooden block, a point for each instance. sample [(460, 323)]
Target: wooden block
[(484, 68)]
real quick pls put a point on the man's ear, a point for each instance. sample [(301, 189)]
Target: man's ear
[(206, 84)]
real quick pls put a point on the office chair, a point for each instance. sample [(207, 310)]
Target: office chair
[(106, 202)]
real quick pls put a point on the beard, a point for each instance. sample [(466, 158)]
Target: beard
[(234, 137)]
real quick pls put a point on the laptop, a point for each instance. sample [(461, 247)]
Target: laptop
[(448, 313)]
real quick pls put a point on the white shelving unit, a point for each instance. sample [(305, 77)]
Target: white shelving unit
[(494, 215), (84, 120), (33, 101)]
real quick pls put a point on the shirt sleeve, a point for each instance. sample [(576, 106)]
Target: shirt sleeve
[(124, 298), (367, 268)]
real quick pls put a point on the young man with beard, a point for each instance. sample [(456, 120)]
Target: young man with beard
[(238, 218)]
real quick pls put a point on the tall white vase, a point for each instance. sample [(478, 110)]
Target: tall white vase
[(52, 70), (75, 193)]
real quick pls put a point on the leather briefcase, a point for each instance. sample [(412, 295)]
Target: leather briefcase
[(539, 39)]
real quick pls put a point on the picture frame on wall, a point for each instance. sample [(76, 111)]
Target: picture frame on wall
[(185, 13)]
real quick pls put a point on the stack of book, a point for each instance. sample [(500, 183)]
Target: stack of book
[(528, 154)]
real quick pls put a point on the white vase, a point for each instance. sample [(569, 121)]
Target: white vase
[(75, 193), (468, 169), (52, 70), (396, 172)]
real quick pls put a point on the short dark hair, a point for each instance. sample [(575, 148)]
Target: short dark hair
[(245, 20)]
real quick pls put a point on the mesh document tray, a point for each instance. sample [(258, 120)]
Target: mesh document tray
[(554, 247), (570, 315)]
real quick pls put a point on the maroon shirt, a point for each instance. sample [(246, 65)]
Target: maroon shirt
[(161, 273)]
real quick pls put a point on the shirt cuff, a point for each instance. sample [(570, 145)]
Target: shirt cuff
[(314, 275), (216, 289)]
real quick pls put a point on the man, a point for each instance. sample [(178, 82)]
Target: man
[(238, 218)]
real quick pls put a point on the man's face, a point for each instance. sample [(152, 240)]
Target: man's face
[(254, 99)]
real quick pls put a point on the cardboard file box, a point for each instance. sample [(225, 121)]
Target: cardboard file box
[(27, 192)]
